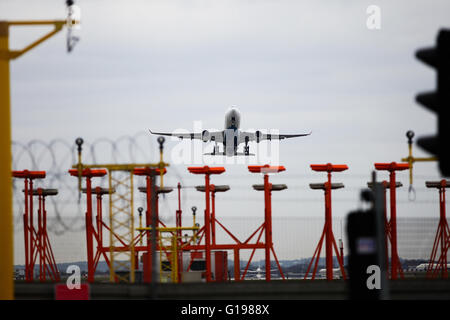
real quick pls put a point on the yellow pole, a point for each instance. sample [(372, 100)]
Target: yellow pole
[(411, 160), (6, 214), (160, 259), (161, 162), (174, 259), (140, 225)]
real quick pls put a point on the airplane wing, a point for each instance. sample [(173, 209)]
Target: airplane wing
[(205, 135), (287, 136), (260, 136)]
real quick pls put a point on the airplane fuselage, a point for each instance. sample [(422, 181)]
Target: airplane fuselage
[(231, 133)]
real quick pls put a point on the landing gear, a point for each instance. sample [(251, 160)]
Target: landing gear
[(216, 149), (246, 147)]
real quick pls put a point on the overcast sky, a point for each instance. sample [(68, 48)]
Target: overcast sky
[(294, 66)]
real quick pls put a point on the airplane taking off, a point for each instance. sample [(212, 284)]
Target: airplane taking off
[(232, 136)]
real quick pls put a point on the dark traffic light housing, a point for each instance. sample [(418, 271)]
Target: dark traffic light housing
[(438, 101), (365, 230)]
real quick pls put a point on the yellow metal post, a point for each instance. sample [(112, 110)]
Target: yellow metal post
[(6, 215), (411, 160), (161, 262), (161, 164), (174, 259), (140, 209)]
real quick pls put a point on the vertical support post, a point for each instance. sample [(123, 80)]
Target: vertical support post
[(267, 223), (55, 276), (393, 225), (88, 174), (194, 224), (148, 222), (442, 237), (213, 214), (207, 171), (31, 232), (392, 168), (44, 235), (26, 234), (157, 207), (329, 232), (89, 237), (140, 209), (410, 159), (154, 224), (131, 229), (175, 273), (178, 213), (44, 242), (161, 162), (79, 143), (207, 230), (179, 235), (237, 265), (6, 214), (40, 238), (267, 187), (99, 217), (386, 226)]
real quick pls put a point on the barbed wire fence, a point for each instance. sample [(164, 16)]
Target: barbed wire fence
[(56, 157)]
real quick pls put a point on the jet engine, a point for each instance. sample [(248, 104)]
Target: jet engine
[(205, 135)]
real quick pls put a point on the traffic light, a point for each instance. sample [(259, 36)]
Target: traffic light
[(438, 101), (367, 267), (362, 253)]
